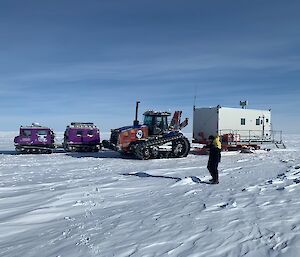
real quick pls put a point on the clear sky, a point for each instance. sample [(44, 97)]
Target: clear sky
[(89, 60)]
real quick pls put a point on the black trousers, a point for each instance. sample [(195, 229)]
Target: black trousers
[(213, 170)]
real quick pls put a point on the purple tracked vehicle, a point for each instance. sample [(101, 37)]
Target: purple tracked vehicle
[(82, 137), (35, 139)]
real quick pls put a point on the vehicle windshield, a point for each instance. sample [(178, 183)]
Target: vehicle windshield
[(79, 133), (148, 121), (42, 132), (26, 132), (156, 124)]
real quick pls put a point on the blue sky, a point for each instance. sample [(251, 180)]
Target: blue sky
[(75, 60)]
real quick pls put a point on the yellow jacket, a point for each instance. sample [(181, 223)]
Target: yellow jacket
[(217, 142)]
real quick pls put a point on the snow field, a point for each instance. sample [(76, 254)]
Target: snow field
[(100, 204)]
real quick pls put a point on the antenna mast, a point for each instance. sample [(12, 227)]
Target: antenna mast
[(195, 98)]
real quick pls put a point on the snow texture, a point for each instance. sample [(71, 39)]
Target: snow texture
[(101, 204)]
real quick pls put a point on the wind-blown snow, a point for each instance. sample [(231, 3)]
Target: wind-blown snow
[(103, 205)]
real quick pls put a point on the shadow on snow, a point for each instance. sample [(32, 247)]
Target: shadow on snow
[(9, 152), (146, 175), (101, 154), (198, 180)]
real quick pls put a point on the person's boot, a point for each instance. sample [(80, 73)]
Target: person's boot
[(215, 178)]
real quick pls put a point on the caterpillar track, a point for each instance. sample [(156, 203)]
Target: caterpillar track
[(34, 150), (150, 149)]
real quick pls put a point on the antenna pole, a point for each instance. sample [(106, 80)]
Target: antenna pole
[(195, 98)]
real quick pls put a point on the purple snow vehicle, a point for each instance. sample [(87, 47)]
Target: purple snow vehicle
[(35, 139), (82, 137)]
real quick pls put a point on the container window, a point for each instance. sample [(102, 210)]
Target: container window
[(257, 121), (243, 121)]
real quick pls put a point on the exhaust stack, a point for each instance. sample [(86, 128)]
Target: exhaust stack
[(136, 122)]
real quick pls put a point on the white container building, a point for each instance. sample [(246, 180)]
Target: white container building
[(233, 124)]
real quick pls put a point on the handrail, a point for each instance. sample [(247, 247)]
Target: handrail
[(253, 135)]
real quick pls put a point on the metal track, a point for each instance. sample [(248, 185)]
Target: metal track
[(33, 150), (82, 148), (139, 148)]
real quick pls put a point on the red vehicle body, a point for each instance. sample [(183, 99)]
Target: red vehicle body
[(126, 137), (155, 138)]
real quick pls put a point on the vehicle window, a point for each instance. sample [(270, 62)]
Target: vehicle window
[(91, 132), (42, 132), (79, 133), (148, 121), (159, 121), (165, 122), (26, 133)]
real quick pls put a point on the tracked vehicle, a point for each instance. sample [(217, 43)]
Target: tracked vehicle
[(82, 137), (156, 138), (35, 139)]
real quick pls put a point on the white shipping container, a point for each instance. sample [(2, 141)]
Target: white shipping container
[(242, 124)]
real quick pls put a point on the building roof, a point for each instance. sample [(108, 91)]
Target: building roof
[(233, 108)]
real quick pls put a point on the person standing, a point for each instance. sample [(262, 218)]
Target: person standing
[(214, 158)]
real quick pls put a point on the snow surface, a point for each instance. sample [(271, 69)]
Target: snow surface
[(104, 205)]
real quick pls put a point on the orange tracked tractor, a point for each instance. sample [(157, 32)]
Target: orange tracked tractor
[(156, 138)]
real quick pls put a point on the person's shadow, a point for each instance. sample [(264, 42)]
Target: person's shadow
[(146, 175), (198, 180)]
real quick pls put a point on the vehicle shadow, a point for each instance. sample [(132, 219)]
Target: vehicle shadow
[(8, 152), (101, 154), (13, 152), (146, 175)]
